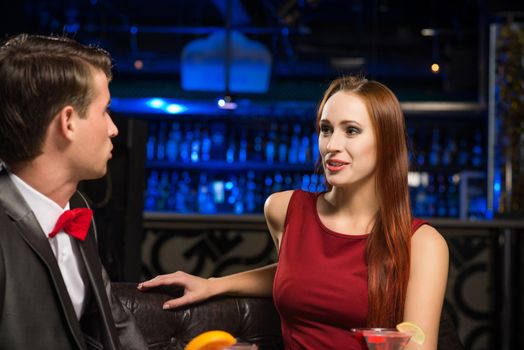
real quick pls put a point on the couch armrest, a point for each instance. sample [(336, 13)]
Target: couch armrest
[(254, 320)]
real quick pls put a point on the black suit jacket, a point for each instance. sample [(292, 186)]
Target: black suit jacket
[(35, 308)]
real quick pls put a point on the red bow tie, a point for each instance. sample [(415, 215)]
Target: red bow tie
[(75, 222)]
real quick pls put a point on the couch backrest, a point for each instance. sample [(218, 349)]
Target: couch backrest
[(253, 320)]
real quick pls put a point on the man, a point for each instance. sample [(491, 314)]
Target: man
[(55, 131)]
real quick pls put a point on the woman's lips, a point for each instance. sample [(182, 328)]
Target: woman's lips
[(335, 164)]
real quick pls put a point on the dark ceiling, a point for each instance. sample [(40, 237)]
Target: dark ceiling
[(309, 40)]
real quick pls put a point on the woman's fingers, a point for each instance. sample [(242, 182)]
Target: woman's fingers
[(195, 288), (174, 303), (174, 278)]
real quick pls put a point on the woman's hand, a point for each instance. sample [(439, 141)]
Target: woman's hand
[(195, 288)]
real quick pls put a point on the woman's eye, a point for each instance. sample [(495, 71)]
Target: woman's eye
[(324, 129), (352, 131)]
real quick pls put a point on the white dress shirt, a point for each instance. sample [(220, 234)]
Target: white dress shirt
[(67, 254)]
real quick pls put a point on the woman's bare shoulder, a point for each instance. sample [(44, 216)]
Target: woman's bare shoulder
[(428, 240), (275, 207), (275, 211)]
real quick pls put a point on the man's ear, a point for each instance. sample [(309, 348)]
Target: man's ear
[(67, 121)]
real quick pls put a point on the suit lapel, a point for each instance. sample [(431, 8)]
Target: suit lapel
[(93, 267), (29, 229)]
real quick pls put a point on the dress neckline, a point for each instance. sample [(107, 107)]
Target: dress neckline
[(330, 231)]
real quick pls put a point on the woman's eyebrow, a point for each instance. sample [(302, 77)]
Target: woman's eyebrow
[(344, 122)]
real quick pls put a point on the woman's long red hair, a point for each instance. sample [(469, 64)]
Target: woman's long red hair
[(388, 246)]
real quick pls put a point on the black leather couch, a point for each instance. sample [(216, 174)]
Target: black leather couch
[(253, 320)]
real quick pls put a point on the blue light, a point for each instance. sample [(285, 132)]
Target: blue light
[(133, 30), (174, 108), (229, 185), (156, 103), (227, 103), (497, 188), (202, 64), (71, 28)]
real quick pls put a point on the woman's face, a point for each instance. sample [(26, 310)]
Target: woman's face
[(347, 141)]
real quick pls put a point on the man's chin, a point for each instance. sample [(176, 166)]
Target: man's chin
[(95, 175)]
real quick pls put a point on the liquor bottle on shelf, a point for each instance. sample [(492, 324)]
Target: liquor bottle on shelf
[(304, 155), (257, 153), (218, 141), (463, 153), (453, 197), (206, 203), (449, 151), (238, 205), (242, 149), (161, 145), (172, 193), (283, 144), (163, 193), (188, 192), (294, 147), (151, 191), (231, 149), (185, 145), (434, 153), (151, 142), (250, 193), (206, 146), (271, 144), (173, 142), (195, 144), (442, 205), (477, 157), (305, 182), (315, 154)]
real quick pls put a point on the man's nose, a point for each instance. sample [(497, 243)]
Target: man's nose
[(112, 129)]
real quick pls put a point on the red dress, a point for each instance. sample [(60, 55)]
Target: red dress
[(321, 283)]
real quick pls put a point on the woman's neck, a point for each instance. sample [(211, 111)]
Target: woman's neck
[(355, 211)]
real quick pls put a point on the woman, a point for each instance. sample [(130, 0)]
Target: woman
[(352, 256)]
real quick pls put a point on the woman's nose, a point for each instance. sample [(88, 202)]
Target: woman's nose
[(334, 142)]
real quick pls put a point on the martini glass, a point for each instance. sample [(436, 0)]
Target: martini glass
[(381, 338), (241, 346)]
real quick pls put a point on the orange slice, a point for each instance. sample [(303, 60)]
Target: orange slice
[(211, 340)]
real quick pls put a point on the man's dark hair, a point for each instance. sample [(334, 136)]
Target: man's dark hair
[(40, 75)]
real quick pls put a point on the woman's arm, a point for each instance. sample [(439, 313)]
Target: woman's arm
[(427, 284), (256, 282)]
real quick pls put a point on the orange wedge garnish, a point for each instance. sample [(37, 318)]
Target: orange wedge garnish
[(211, 340)]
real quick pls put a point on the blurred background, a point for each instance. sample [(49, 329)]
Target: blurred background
[(215, 101)]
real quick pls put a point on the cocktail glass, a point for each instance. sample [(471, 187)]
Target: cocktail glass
[(381, 338)]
